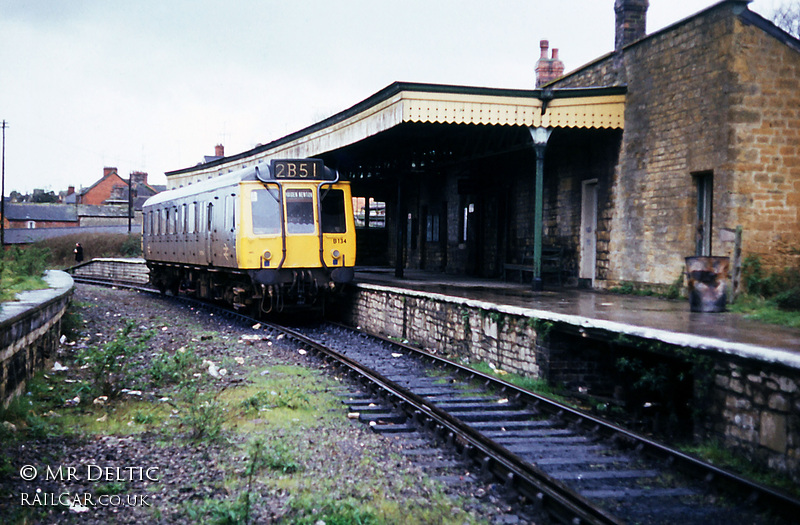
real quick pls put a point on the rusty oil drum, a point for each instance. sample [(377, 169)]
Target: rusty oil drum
[(708, 283)]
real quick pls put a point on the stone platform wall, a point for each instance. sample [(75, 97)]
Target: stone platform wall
[(29, 333), (118, 270), (750, 403)]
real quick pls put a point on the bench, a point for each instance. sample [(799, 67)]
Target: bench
[(552, 263)]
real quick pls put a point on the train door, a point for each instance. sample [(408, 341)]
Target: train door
[(208, 232)]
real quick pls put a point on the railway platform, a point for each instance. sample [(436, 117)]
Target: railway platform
[(656, 318)]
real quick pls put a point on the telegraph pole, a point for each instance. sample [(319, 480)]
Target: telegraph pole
[(3, 192)]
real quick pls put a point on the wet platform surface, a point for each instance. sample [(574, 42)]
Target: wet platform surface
[(668, 320)]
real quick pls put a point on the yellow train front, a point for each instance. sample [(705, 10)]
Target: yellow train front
[(267, 238)]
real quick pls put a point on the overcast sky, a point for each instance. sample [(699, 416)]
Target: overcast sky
[(153, 85)]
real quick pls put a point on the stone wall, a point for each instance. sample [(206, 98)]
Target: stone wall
[(118, 270), (29, 333), (758, 413), (749, 404), (714, 95)]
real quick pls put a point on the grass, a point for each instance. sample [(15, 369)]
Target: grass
[(538, 386), (21, 270), (765, 311), (281, 438), (716, 454)]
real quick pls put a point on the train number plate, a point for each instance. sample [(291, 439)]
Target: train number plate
[(301, 169)]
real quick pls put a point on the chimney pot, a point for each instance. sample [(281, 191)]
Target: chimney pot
[(219, 150), (548, 69)]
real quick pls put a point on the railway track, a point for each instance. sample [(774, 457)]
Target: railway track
[(570, 465)]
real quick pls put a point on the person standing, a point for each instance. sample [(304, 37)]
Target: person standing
[(78, 252)]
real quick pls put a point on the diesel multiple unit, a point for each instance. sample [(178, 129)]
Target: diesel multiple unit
[(267, 238)]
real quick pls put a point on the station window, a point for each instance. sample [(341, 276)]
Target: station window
[(333, 218), (299, 211), (369, 213), (266, 212), (432, 227)]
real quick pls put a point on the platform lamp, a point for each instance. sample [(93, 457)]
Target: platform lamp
[(540, 136)]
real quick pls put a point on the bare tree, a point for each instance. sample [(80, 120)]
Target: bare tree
[(787, 17)]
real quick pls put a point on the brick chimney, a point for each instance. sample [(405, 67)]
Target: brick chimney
[(631, 16), (219, 150), (109, 171), (139, 177), (547, 69), (70, 190)]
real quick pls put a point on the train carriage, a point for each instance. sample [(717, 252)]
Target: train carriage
[(269, 237)]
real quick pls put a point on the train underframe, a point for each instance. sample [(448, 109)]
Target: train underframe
[(258, 292)]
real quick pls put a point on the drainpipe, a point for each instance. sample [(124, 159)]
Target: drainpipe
[(540, 137)]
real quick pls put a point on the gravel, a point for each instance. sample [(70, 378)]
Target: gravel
[(160, 472)]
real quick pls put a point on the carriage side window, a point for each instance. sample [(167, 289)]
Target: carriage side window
[(167, 219), (190, 218), (184, 220), (333, 218), (299, 211), (266, 213), (209, 216)]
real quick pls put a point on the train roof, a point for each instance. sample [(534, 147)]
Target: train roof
[(214, 183)]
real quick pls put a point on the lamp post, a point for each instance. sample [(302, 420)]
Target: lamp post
[(3, 192), (540, 137)]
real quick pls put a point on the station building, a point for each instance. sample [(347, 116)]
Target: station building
[(615, 172)]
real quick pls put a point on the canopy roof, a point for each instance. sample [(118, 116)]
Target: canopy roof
[(402, 103)]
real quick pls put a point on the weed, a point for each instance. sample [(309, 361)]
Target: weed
[(204, 417), (331, 512), (110, 362), (71, 323), (172, 368), (275, 455), (115, 487)]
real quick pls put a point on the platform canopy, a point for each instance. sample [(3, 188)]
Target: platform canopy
[(402, 103)]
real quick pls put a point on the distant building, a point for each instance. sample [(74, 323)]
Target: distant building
[(30, 216)]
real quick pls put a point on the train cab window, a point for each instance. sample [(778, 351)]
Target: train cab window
[(333, 218), (299, 211), (266, 212), (230, 212)]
